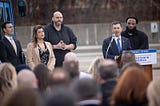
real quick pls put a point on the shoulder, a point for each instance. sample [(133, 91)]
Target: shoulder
[(47, 43), (141, 33), (107, 39), (48, 26), (66, 28), (124, 38), (31, 44)]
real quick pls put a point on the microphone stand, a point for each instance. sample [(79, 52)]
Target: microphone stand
[(109, 46)]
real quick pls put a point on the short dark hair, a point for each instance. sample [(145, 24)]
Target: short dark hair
[(116, 22), (4, 24), (132, 17)]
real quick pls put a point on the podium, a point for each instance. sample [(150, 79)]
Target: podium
[(145, 58)]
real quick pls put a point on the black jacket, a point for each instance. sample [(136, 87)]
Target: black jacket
[(138, 39)]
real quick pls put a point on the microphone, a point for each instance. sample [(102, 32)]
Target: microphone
[(109, 45)]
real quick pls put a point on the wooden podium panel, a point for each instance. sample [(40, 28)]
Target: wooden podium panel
[(148, 71)]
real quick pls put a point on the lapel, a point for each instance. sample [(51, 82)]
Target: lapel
[(9, 45), (37, 52)]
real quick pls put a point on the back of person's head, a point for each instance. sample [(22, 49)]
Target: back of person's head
[(108, 69), (60, 77), (153, 93), (60, 96), (8, 73), (129, 65), (131, 87), (70, 56), (127, 57), (43, 76), (86, 89), (27, 78), (72, 68), (93, 67), (4, 89), (24, 97)]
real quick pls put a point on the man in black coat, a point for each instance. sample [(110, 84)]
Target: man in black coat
[(138, 39), (61, 37), (10, 48)]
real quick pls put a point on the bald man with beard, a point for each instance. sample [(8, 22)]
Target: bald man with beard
[(61, 37)]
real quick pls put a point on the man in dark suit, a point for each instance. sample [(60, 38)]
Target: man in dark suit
[(10, 48), (107, 76), (113, 46)]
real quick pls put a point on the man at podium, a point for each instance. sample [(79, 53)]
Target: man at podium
[(114, 45)]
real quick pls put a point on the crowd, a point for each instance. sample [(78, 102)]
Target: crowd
[(50, 74)]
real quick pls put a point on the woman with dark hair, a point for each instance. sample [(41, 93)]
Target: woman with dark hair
[(40, 51)]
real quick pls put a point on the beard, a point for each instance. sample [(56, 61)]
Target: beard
[(58, 23)]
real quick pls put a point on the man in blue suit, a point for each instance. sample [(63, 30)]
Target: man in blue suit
[(114, 45), (10, 48)]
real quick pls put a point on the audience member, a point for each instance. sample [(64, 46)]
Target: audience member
[(9, 76), (43, 76), (93, 67), (87, 91), (24, 97), (60, 77), (71, 64), (126, 58), (26, 78), (153, 93), (107, 76), (131, 88), (60, 96)]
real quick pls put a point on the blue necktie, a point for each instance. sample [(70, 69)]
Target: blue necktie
[(118, 45)]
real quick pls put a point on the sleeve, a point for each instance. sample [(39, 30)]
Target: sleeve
[(46, 33), (29, 56), (3, 53), (22, 57), (73, 38), (51, 61), (104, 46), (144, 41)]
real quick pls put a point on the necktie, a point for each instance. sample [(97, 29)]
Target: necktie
[(118, 45), (14, 45)]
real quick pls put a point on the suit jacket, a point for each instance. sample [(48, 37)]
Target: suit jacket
[(8, 54), (113, 49), (33, 57)]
